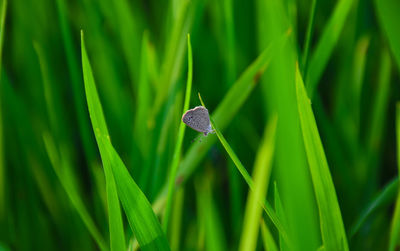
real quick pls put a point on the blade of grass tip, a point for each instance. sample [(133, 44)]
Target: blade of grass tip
[(383, 198), (2, 173), (332, 228), (261, 174), (266, 206), (388, 15), (326, 44), (395, 228), (307, 40), (268, 239), (71, 192), (117, 236), (140, 215), (178, 145)]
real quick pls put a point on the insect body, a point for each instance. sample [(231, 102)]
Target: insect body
[(198, 119)]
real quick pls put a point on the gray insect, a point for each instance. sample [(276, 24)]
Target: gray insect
[(198, 119)]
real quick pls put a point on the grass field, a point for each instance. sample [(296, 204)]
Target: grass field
[(303, 98)]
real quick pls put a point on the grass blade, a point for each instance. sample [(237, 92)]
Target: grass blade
[(326, 45), (61, 170), (213, 228), (137, 208), (261, 173), (268, 240), (387, 12), (307, 40), (281, 215), (395, 228), (384, 197), (266, 206), (332, 228), (117, 237), (178, 145)]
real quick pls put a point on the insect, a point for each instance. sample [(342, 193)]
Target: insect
[(198, 119)]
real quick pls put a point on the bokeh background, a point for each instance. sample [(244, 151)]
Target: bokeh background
[(347, 51)]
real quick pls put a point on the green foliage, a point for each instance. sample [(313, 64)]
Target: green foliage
[(301, 94)]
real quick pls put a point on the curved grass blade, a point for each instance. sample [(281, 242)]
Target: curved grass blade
[(61, 170), (395, 228), (117, 236), (326, 44), (178, 145), (141, 217), (261, 173), (384, 198), (332, 228), (264, 203), (136, 206)]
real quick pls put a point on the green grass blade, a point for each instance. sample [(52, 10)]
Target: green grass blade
[(178, 145), (266, 206), (326, 44), (2, 173), (213, 228), (307, 40), (332, 228), (176, 219), (138, 210), (141, 217), (395, 228), (281, 215), (261, 173), (268, 239), (384, 198), (76, 82), (143, 99), (117, 236), (60, 169), (387, 12)]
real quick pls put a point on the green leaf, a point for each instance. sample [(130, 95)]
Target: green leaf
[(332, 228), (326, 44), (178, 145), (261, 173), (137, 208), (117, 236)]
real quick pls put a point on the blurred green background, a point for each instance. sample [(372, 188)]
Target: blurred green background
[(52, 184)]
